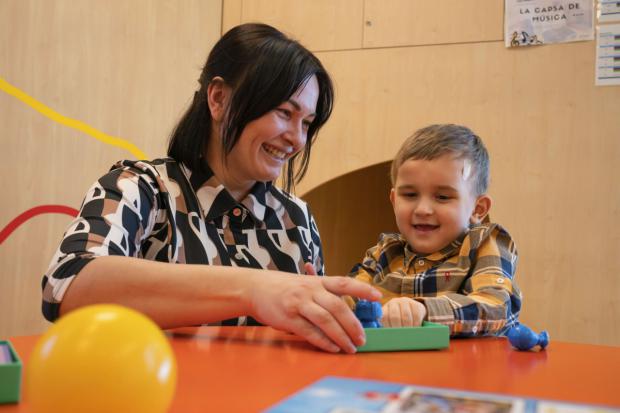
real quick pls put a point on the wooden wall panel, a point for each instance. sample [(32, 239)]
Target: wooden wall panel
[(383, 95), (317, 24), (125, 68), (231, 14), (407, 23)]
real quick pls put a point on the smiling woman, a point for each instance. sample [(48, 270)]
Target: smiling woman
[(266, 144), (211, 203)]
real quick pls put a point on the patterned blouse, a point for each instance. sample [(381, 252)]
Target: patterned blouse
[(469, 285), (162, 211)]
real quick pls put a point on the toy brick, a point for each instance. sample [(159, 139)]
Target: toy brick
[(429, 336), (10, 376)]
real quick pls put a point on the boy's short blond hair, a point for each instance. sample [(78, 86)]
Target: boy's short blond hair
[(434, 141)]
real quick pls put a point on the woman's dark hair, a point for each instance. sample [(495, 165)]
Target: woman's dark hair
[(263, 67)]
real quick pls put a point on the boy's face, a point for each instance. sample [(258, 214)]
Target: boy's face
[(434, 201)]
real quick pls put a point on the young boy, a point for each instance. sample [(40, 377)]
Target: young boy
[(448, 265)]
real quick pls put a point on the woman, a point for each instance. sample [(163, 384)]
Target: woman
[(211, 203)]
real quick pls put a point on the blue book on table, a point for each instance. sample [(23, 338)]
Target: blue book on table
[(346, 395)]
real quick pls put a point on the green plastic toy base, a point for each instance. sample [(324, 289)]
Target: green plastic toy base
[(430, 336), (10, 377)]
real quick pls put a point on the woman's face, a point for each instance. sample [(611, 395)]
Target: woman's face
[(268, 142)]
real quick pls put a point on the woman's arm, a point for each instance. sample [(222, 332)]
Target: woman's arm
[(176, 295)]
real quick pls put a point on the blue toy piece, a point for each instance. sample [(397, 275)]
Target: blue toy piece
[(369, 313), (523, 338)]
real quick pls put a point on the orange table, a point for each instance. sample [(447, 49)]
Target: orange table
[(247, 369)]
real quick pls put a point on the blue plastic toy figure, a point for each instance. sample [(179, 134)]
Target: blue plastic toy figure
[(523, 338), (369, 313)]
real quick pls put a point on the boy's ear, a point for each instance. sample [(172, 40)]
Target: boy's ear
[(392, 196), (218, 94), (481, 209)]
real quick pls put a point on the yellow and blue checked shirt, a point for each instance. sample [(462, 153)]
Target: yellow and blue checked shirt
[(468, 285)]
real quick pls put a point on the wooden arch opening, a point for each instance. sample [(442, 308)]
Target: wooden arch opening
[(351, 211)]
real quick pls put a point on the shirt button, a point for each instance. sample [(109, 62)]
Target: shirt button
[(236, 212), (239, 256), (421, 262), (500, 280)]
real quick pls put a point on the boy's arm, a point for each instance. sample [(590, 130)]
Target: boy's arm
[(488, 302), (379, 267)]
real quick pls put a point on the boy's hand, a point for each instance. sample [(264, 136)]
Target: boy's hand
[(403, 312)]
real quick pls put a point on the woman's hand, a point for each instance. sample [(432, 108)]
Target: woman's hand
[(403, 312), (309, 269), (311, 308)]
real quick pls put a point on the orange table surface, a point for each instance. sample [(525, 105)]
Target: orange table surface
[(247, 369)]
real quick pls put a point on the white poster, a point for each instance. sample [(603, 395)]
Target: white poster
[(608, 10), (608, 55), (534, 22)]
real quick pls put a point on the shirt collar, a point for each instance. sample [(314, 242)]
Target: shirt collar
[(438, 256), (215, 200)]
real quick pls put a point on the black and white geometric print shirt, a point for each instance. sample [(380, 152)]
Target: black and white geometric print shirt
[(162, 211)]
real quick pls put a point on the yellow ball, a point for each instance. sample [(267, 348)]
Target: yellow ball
[(101, 358)]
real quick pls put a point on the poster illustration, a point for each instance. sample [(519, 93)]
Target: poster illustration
[(536, 22)]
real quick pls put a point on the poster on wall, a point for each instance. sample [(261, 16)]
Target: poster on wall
[(608, 55), (608, 10), (536, 22)]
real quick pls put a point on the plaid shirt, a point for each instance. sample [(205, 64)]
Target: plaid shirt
[(162, 211), (468, 285)]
